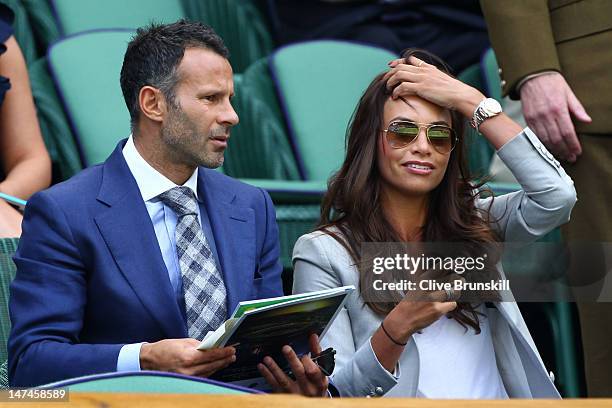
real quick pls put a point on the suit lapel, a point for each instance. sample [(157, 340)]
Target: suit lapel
[(128, 232), (234, 233)]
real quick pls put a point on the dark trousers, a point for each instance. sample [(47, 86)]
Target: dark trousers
[(592, 221)]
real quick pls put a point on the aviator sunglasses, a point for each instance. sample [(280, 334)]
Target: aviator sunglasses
[(403, 132), (326, 361)]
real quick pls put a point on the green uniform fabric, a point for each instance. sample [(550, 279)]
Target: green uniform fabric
[(574, 38), (569, 36)]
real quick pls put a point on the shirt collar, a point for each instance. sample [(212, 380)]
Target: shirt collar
[(151, 182)]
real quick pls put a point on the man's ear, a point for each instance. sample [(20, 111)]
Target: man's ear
[(152, 103)]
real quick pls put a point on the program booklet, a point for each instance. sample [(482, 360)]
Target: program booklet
[(260, 328)]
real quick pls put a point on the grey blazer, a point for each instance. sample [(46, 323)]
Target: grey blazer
[(320, 262)]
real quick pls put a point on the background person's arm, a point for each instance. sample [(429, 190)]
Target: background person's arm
[(522, 36), (25, 160)]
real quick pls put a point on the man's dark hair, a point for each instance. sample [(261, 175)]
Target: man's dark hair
[(154, 54)]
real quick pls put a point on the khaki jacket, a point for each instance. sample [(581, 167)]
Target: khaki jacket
[(573, 37)]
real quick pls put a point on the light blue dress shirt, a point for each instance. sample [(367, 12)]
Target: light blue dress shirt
[(151, 184)]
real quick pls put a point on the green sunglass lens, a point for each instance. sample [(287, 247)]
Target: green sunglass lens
[(401, 134), (441, 137)]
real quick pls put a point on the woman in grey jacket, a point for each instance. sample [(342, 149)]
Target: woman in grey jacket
[(404, 179)]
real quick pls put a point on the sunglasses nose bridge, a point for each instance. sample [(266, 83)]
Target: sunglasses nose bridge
[(421, 140)]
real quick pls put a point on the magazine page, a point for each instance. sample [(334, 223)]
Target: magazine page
[(263, 333)]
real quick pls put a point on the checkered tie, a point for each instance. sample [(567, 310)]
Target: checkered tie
[(203, 285)]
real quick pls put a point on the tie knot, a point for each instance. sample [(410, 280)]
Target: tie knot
[(181, 200)]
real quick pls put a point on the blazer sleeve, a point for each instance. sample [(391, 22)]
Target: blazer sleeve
[(317, 259), (47, 303), (546, 198), (522, 37)]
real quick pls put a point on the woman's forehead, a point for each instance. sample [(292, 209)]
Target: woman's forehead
[(415, 108)]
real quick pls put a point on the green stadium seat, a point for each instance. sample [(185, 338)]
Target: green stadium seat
[(54, 126), (257, 77), (91, 62), (75, 16), (43, 23), (319, 84), (22, 29), (148, 382), (86, 68), (239, 23), (258, 147), (490, 75), (8, 246), (479, 151)]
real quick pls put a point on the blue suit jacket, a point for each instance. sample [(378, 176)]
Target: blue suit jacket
[(91, 277)]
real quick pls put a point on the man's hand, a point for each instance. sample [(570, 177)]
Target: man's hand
[(548, 102), (309, 380), (181, 356)]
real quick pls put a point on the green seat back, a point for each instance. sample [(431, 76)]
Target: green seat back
[(320, 84), (4, 375), (239, 23), (478, 149), (297, 205), (75, 16), (259, 81), (86, 71), (490, 73), (8, 246), (146, 382), (43, 24), (258, 147), (54, 126), (22, 30)]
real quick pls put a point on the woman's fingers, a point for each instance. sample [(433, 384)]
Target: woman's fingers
[(417, 62), (403, 76), (396, 62), (401, 68), (404, 89)]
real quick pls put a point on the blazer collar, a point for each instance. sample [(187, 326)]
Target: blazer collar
[(128, 232), (130, 236), (233, 229)]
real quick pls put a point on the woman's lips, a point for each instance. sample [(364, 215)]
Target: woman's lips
[(418, 168)]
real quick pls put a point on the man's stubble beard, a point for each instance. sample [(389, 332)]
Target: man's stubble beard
[(180, 136)]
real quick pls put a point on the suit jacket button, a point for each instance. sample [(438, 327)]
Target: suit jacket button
[(499, 70), (379, 391), (552, 376), (503, 83)]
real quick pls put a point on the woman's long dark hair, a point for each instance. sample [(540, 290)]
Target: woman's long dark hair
[(352, 212)]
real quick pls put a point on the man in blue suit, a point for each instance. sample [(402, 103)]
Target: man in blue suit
[(127, 265)]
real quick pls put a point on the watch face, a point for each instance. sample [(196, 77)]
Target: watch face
[(491, 106)]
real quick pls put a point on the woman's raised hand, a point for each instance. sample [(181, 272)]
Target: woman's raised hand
[(416, 77)]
